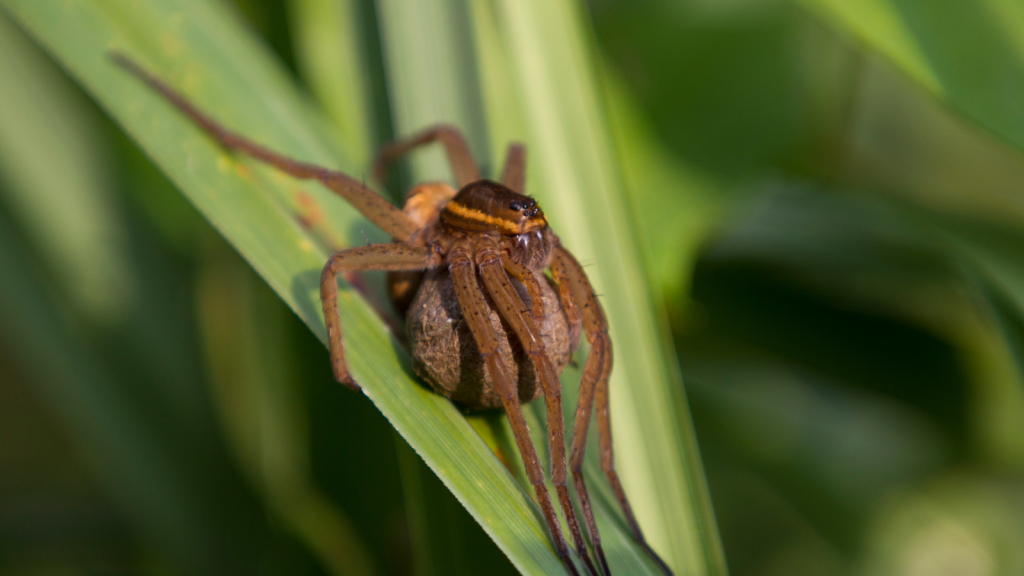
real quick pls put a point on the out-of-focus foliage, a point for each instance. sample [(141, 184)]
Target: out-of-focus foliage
[(835, 193)]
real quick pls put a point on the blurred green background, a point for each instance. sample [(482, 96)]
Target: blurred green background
[(832, 198)]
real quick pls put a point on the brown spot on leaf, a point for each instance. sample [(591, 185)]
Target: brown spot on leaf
[(309, 212)]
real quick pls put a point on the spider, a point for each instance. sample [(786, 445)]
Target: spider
[(486, 327)]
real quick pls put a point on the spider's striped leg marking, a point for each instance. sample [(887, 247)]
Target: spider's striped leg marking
[(391, 257), (475, 310), (594, 389), (511, 308)]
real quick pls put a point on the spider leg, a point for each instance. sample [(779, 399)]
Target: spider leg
[(514, 175), (513, 311), (594, 389), (459, 156), (572, 312), (391, 257), (595, 372), (476, 313), (596, 368), (378, 210), (523, 274)]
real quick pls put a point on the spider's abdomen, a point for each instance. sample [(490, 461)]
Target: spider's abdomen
[(446, 355)]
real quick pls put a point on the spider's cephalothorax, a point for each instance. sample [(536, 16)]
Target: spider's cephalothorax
[(489, 207), (486, 326)]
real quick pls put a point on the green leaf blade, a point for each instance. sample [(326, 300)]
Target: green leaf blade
[(967, 54)]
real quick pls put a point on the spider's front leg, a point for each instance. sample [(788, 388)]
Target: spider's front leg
[(476, 313), (573, 283), (524, 275), (512, 310), (387, 257)]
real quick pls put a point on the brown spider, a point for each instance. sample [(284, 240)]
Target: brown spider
[(449, 265)]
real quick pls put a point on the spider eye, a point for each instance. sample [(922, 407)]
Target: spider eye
[(515, 206)]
